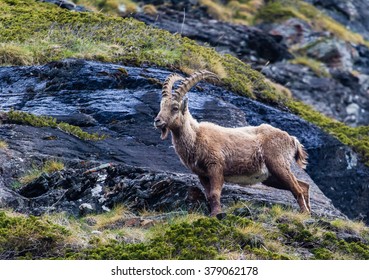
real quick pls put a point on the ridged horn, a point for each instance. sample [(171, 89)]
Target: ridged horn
[(168, 84), (189, 82)]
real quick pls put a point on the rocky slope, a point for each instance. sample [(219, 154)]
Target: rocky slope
[(45, 90), (100, 98), (343, 67), (97, 156)]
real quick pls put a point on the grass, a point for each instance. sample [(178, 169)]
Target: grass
[(269, 233), (3, 145), (316, 66), (49, 166), (45, 121), (241, 12)]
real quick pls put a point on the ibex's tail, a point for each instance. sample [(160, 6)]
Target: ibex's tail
[(300, 155)]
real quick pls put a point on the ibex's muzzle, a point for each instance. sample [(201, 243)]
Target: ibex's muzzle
[(158, 123)]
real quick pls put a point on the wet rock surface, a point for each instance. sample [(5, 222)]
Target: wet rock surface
[(146, 173)]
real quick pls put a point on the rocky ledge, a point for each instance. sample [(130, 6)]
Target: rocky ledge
[(140, 170)]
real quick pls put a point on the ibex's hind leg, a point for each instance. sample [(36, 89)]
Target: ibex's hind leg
[(305, 189), (285, 176)]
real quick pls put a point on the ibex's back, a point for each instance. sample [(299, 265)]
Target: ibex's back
[(244, 155)]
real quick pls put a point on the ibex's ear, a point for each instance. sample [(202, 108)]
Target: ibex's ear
[(184, 104)]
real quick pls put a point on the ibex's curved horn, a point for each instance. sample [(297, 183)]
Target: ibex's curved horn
[(189, 82), (168, 84)]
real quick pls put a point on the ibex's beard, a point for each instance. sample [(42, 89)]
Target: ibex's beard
[(164, 132)]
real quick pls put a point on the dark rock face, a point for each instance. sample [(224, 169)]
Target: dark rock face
[(147, 171), (248, 43), (353, 14), (340, 97)]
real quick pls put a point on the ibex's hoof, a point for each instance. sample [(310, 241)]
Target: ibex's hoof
[(221, 216)]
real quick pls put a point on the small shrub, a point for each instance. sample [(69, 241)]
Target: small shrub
[(29, 237), (322, 254)]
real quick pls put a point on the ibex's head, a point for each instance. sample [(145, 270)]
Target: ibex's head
[(173, 107)]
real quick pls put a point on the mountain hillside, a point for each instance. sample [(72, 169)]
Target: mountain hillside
[(80, 159)]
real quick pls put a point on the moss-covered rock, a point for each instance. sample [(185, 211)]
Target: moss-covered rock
[(45, 121)]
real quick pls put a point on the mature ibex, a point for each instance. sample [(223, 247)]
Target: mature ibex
[(244, 155)]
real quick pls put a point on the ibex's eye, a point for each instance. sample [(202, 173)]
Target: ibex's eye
[(175, 109)]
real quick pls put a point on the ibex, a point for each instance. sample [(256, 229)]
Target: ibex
[(243, 155)]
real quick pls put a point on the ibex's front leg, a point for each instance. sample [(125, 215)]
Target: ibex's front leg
[(216, 181)]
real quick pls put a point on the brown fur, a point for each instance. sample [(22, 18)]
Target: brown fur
[(243, 155)]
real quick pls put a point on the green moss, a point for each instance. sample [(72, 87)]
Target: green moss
[(29, 237), (182, 238), (45, 121), (276, 11)]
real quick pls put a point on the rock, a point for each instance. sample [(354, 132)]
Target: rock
[(145, 223), (35, 188), (86, 208), (334, 53), (248, 43), (293, 32), (353, 14), (143, 171), (350, 237), (69, 5), (329, 96), (11, 199)]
